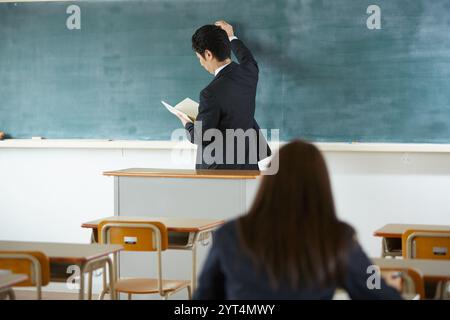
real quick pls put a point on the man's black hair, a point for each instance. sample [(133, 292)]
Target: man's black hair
[(214, 39)]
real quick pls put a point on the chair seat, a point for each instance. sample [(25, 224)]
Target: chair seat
[(146, 285)]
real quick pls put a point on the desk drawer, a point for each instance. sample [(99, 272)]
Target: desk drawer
[(58, 271), (181, 239)]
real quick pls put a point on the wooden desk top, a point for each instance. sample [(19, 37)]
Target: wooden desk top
[(185, 173), (62, 252), (434, 270), (9, 280), (172, 224), (396, 230)]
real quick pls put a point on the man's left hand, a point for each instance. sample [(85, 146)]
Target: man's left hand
[(183, 118)]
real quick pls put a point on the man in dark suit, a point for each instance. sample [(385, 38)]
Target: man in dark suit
[(225, 131)]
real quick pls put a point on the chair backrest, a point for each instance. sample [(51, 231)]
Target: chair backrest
[(411, 280), (35, 265), (137, 236), (420, 244), (134, 236)]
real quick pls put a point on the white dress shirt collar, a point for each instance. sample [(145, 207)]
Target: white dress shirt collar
[(216, 72)]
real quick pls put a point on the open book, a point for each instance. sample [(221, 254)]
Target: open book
[(187, 106)]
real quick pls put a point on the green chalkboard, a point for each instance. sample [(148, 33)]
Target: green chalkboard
[(324, 75)]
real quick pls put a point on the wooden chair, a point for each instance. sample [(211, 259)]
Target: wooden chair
[(419, 244), (35, 265), (411, 280), (144, 237)]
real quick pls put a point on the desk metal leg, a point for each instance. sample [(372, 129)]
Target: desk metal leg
[(11, 294), (7, 292), (105, 287), (93, 236), (90, 285), (81, 290), (388, 251), (194, 266), (90, 266), (383, 247), (114, 275), (197, 238), (116, 266), (112, 271), (112, 279), (441, 290)]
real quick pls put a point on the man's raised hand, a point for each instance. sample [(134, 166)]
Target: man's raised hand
[(225, 26)]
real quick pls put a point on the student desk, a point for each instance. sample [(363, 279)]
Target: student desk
[(184, 234), (432, 270), (391, 235), (86, 256), (7, 281)]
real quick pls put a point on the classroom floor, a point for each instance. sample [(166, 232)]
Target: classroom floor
[(49, 295)]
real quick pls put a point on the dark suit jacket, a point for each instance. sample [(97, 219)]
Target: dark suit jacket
[(229, 273), (228, 102)]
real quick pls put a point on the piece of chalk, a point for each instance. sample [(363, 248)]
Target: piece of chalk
[(36, 138)]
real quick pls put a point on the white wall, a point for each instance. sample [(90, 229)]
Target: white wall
[(372, 189), (45, 194)]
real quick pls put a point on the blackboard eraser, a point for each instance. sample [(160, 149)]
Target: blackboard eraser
[(2, 135)]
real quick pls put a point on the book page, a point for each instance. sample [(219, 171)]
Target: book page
[(170, 108), (188, 107)]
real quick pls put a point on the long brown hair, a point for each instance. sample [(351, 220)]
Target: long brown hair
[(291, 229)]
